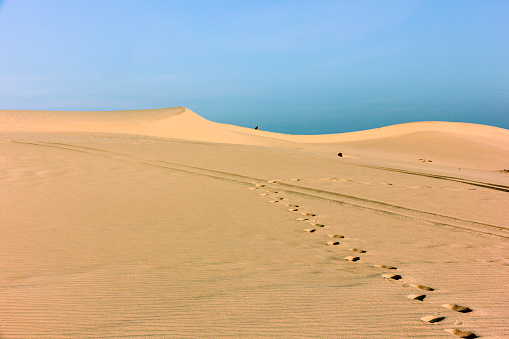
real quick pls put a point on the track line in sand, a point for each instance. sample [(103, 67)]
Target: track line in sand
[(389, 184), (497, 187), (334, 197)]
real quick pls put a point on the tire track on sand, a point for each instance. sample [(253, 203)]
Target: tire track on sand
[(333, 197), (497, 187)]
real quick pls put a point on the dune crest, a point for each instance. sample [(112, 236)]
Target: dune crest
[(181, 122), (450, 143)]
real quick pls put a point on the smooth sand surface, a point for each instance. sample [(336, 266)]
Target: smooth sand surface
[(157, 223)]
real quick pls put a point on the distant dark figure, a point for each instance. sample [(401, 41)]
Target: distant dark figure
[(340, 154), (256, 127)]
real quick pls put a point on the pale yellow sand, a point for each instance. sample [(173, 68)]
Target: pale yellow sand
[(141, 224)]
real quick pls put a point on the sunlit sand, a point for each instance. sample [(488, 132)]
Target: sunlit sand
[(156, 223)]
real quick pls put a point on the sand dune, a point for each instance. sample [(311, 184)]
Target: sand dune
[(176, 122), (452, 144), (160, 223)]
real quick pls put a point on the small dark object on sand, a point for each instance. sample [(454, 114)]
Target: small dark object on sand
[(340, 154), (256, 127)]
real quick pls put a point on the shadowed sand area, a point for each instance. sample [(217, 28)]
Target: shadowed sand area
[(155, 223)]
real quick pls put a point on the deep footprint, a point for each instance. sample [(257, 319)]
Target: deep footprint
[(392, 276), (422, 287), (457, 308), (358, 250), (419, 297), (352, 258), (460, 333), (432, 319), (387, 267)]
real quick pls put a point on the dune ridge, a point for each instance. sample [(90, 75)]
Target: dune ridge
[(180, 122), (451, 144)]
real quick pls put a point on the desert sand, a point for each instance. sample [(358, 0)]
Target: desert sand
[(160, 223)]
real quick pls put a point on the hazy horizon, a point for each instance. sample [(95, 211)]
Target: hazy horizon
[(308, 67)]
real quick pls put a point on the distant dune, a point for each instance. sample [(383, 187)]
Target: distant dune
[(451, 143)]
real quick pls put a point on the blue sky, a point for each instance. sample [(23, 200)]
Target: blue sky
[(306, 67)]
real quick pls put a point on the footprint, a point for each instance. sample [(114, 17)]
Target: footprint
[(272, 181), (432, 319), (292, 205), (338, 236), (273, 201), (422, 287), (301, 219), (293, 209), (419, 297), (332, 243), (358, 250), (460, 333), (259, 185), (263, 194), (392, 276), (386, 267), (295, 179), (310, 230), (309, 214), (318, 225), (457, 308), (275, 192), (352, 258)]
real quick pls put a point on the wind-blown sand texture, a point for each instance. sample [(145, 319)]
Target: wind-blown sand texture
[(156, 223)]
